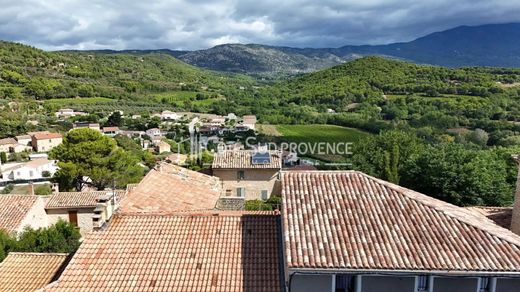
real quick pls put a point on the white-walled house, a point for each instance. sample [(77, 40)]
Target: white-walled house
[(153, 132), (169, 116), (249, 122), (31, 170)]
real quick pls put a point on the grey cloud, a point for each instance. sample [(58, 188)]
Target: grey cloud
[(196, 24)]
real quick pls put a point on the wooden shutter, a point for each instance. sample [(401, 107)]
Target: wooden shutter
[(73, 217)]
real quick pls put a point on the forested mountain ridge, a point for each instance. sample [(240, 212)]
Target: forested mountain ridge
[(30, 72), (494, 45)]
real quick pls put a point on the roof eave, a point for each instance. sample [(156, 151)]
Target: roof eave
[(402, 272)]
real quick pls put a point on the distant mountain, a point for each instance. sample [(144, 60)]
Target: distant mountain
[(495, 45)]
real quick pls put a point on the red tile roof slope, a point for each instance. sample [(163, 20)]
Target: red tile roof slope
[(349, 220), (241, 159), (178, 253), (29, 271), (42, 136), (172, 188), (13, 209), (8, 141), (78, 199)]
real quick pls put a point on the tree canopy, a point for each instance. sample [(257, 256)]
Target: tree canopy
[(87, 158)]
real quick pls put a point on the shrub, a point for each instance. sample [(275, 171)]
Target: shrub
[(43, 190)]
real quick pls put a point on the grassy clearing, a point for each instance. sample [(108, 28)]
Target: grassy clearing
[(179, 98), (313, 134), (268, 130), (319, 133)]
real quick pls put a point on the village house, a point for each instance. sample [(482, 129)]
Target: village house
[(177, 158), (249, 122), (37, 169), (19, 211), (86, 210), (28, 271), (15, 145), (83, 125), (248, 174), (162, 147), (44, 142), (67, 113), (154, 132), (169, 116), (25, 140), (8, 145), (347, 231), (110, 131)]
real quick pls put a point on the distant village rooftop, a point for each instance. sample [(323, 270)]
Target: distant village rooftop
[(48, 135), (243, 159)]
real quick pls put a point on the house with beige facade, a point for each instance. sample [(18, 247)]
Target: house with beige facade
[(20, 211), (86, 210), (248, 174), (44, 142)]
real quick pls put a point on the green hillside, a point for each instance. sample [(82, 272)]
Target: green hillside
[(33, 73)]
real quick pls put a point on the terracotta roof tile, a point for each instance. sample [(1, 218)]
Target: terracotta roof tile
[(43, 136), (349, 220), (231, 159), (8, 141), (29, 271), (78, 199), (172, 188), (205, 252), (13, 209)]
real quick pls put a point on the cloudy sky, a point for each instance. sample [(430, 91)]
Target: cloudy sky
[(197, 24)]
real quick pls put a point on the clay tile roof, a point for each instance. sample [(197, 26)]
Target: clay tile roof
[(13, 209), (23, 137), (205, 252), (43, 136), (172, 188), (78, 199), (249, 119), (8, 141), (110, 129), (349, 220), (30, 271), (242, 159)]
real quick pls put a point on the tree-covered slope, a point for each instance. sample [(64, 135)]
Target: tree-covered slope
[(30, 72)]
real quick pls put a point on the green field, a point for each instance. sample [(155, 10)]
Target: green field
[(178, 98), (314, 134)]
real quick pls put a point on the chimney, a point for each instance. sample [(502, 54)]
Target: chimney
[(30, 188), (515, 221), (55, 188)]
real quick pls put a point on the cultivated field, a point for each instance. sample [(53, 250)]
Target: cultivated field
[(314, 134)]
